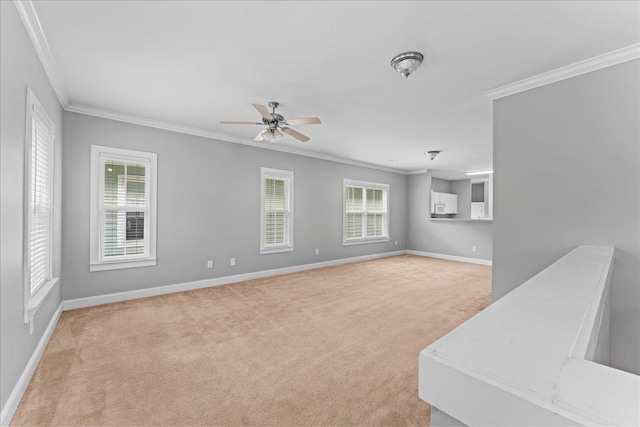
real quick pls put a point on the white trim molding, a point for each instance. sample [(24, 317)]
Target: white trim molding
[(37, 116), (97, 261), (31, 23), (365, 185), (287, 178), (218, 281), (173, 127), (596, 63), (15, 397), (451, 257)]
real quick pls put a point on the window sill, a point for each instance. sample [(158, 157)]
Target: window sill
[(276, 250), (364, 241), (118, 265), (35, 301)]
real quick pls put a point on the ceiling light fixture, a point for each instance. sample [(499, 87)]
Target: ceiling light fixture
[(479, 173), (432, 154), (272, 135), (406, 63)]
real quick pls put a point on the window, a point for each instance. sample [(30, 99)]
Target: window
[(366, 212), (276, 213), (123, 208), (39, 141)]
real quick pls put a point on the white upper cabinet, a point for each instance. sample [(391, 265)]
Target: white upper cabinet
[(444, 203)]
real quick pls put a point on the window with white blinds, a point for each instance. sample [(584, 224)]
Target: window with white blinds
[(125, 204), (365, 212), (39, 196), (124, 208), (276, 216)]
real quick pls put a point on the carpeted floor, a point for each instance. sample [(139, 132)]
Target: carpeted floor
[(336, 346)]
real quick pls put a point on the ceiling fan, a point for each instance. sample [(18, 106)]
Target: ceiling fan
[(275, 123)]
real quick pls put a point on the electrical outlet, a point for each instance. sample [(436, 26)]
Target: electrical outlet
[(232, 261), (317, 251), (396, 243), (474, 249), (210, 264)]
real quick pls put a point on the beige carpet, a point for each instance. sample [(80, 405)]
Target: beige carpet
[(336, 346)]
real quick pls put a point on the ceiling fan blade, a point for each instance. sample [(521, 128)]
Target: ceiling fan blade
[(297, 135), (263, 110), (226, 122), (259, 137), (304, 121)]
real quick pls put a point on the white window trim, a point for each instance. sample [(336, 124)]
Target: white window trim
[(364, 240), (149, 258), (288, 246), (32, 302)]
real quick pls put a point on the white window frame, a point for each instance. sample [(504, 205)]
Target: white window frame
[(99, 154), (288, 190), (385, 218), (33, 299)]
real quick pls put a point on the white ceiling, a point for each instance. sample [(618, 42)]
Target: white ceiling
[(196, 63)]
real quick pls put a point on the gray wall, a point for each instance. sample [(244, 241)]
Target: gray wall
[(462, 187), (442, 419), (442, 237), (19, 69), (209, 207), (572, 148), (441, 185)]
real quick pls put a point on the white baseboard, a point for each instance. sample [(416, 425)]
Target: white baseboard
[(206, 283), (18, 391), (452, 257)]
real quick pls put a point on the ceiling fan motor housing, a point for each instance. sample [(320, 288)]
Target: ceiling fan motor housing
[(277, 119)]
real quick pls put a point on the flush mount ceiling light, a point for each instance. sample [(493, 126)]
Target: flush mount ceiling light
[(432, 154), (406, 63), (479, 173)]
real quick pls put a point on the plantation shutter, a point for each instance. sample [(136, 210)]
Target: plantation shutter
[(275, 211), (125, 200), (40, 200), (375, 212), (354, 212)]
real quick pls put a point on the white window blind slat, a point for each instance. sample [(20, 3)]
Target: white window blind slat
[(275, 214), (276, 211), (124, 208), (365, 212), (40, 188)]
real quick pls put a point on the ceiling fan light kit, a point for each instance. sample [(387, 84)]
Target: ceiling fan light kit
[(407, 62), (271, 135), (276, 124)]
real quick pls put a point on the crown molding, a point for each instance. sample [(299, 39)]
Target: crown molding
[(32, 24), (596, 63), (173, 127), (416, 172)]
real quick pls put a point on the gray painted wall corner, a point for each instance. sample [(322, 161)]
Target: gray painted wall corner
[(573, 148), (20, 68)]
